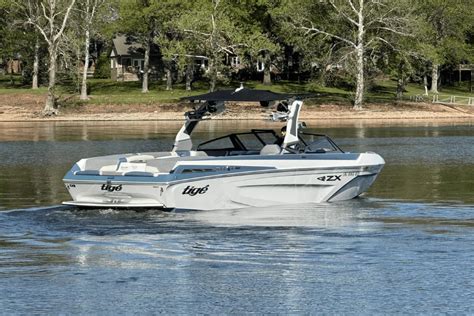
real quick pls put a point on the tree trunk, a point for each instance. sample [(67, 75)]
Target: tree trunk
[(212, 75), (169, 79), (267, 77), (179, 73), (471, 81), (212, 85), (12, 80), (77, 79), (359, 97), (400, 82), (50, 106), (213, 57), (34, 84), (425, 83), (189, 75), (434, 78), (399, 89), (323, 75), (86, 66), (146, 67)]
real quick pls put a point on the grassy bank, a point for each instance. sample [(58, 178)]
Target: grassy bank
[(104, 91)]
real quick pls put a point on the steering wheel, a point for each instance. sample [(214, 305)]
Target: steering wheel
[(295, 150)]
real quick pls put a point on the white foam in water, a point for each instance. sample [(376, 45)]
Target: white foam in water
[(311, 215)]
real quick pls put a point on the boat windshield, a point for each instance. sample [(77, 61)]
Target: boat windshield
[(252, 142), (317, 143), (239, 143)]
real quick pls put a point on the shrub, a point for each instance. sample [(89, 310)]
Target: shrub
[(102, 69)]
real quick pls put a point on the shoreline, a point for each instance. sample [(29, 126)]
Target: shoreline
[(27, 108), (336, 120)]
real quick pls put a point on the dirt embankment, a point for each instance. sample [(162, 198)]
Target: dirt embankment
[(25, 107)]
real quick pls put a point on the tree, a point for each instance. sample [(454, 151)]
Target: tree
[(15, 42), (213, 25), (174, 54), (34, 10), (22, 34), (442, 33), (260, 32), (90, 11), (7, 40), (357, 26), (174, 46), (144, 20), (264, 49), (51, 25), (137, 19)]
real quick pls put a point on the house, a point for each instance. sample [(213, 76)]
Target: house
[(246, 68), (12, 65), (127, 59)]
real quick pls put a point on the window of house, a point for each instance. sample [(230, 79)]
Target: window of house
[(235, 61), (126, 62), (138, 64)]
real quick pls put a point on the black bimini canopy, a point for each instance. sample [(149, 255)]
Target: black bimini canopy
[(244, 95)]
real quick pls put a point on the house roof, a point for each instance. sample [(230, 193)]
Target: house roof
[(126, 46)]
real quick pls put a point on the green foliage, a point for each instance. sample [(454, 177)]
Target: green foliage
[(145, 19), (17, 40), (27, 65), (102, 69), (442, 32), (214, 26)]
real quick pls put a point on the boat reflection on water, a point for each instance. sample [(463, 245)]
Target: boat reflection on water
[(317, 215)]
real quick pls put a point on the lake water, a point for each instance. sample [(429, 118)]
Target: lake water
[(407, 246)]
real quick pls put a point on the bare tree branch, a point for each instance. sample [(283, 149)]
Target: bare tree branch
[(40, 29), (66, 17), (342, 13), (394, 31), (353, 7), (45, 15), (197, 32), (318, 31)]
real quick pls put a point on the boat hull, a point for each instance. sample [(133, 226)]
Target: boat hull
[(288, 187), (310, 182)]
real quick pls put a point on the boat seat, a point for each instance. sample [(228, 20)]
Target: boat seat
[(108, 168), (198, 153), (271, 149), (97, 163), (139, 158), (110, 173), (166, 164), (127, 167)]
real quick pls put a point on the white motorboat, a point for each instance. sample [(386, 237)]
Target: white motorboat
[(253, 169)]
